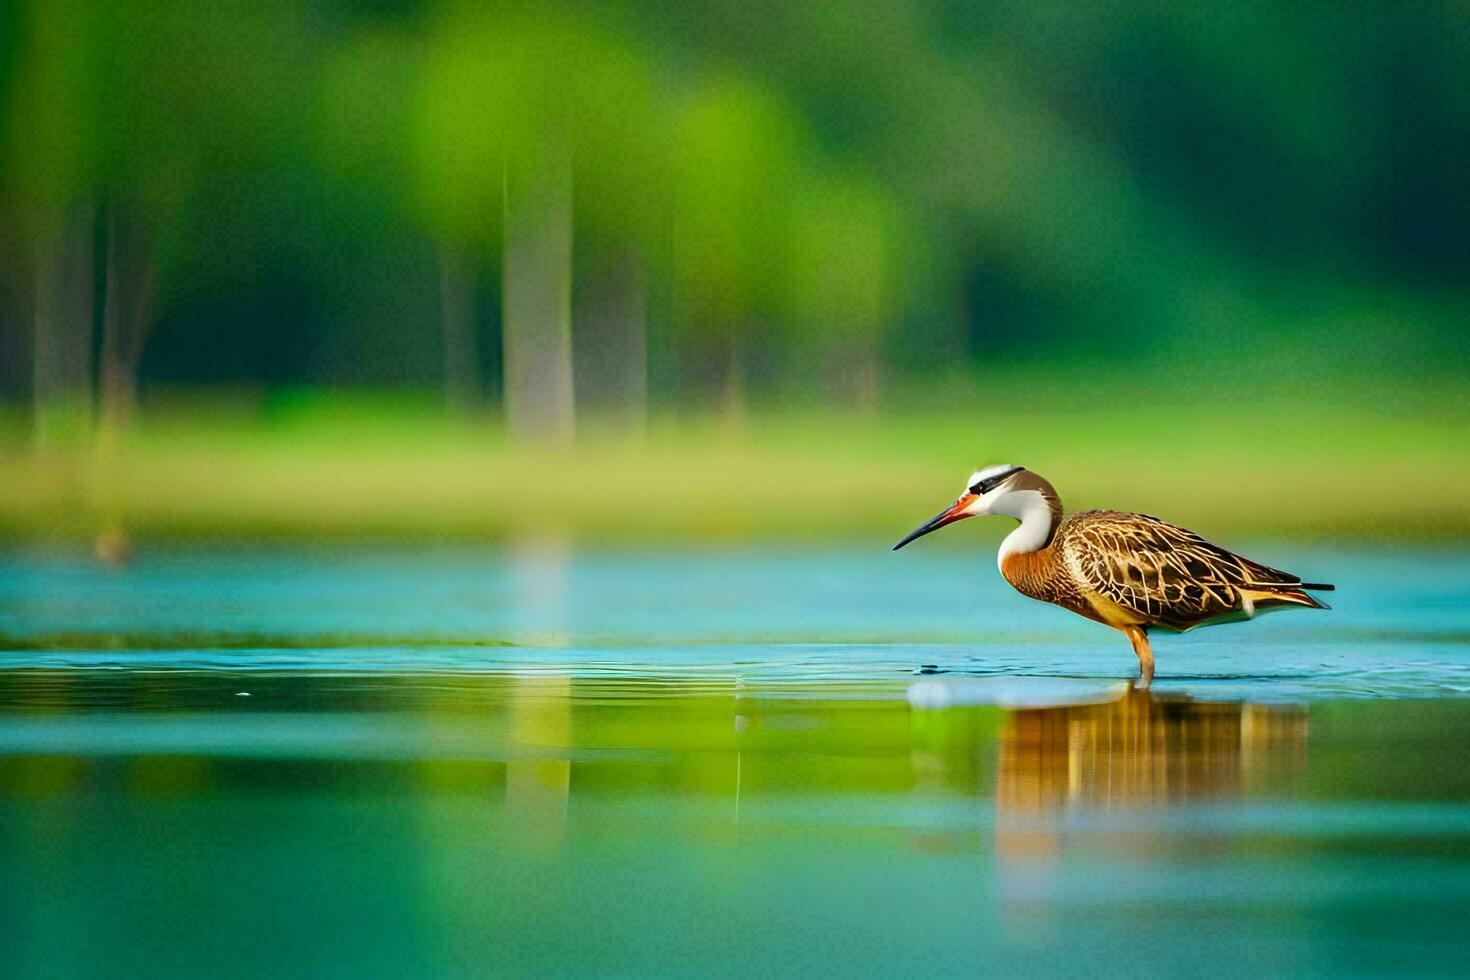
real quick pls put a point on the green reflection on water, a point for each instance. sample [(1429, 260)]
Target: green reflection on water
[(166, 822)]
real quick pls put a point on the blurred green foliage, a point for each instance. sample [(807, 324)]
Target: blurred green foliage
[(850, 204), (970, 182)]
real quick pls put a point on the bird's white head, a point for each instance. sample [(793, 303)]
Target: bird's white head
[(1012, 491)]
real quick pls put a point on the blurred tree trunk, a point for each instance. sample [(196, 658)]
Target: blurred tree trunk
[(539, 403), (127, 314), (461, 343), (612, 341), (853, 371), (712, 375), (731, 405), (62, 314)]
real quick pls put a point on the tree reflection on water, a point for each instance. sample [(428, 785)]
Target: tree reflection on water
[(559, 736), (444, 818)]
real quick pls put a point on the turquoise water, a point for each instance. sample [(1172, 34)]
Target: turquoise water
[(384, 762)]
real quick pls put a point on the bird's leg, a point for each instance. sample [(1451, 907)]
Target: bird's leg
[(1139, 637)]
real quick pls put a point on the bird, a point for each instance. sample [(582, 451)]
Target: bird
[(1133, 572)]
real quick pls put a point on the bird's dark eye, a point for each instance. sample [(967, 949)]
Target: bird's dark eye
[(991, 482)]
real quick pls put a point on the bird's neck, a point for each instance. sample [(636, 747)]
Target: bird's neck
[(1038, 516)]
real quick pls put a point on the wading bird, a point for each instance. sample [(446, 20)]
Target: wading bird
[(1128, 571)]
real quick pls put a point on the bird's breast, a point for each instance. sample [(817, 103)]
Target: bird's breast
[(1042, 576), (1033, 573)]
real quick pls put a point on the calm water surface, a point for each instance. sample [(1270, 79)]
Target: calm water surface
[(543, 761)]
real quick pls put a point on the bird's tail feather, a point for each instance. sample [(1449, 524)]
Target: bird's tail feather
[(1278, 595)]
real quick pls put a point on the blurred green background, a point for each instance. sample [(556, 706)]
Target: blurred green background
[(664, 271)]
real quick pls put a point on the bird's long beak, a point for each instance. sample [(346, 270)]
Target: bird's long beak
[(955, 513)]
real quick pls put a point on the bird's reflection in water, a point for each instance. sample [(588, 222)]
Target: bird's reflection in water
[(1141, 750)]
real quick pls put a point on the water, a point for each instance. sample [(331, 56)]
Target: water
[(234, 762)]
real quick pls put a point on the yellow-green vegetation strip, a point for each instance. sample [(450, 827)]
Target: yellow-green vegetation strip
[(76, 642), (1226, 470)]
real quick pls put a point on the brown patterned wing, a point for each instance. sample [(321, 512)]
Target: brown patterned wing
[(1170, 575)]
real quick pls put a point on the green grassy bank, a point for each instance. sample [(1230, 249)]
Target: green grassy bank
[(343, 467)]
